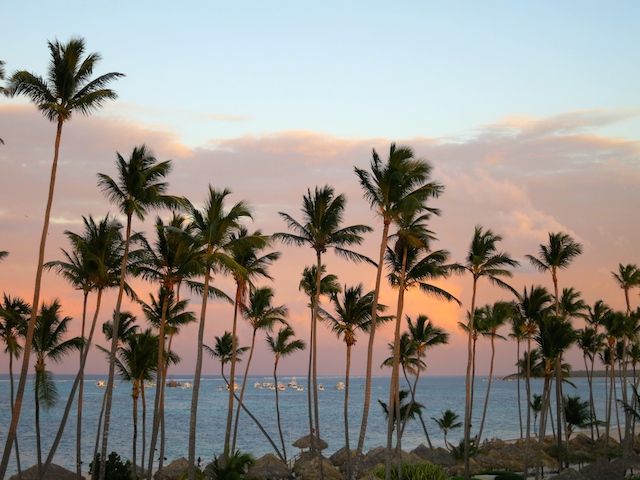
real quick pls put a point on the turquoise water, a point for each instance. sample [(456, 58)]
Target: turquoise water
[(436, 393)]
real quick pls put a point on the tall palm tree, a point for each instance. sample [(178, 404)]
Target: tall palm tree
[(261, 315), (594, 319), (401, 183), (68, 88), (557, 255), (495, 316), (448, 421), (328, 286), (13, 326), (483, 261), (137, 363), (138, 187), (518, 333), (282, 345), (353, 313), (245, 250), (322, 213), (49, 345), (92, 266), (214, 229)]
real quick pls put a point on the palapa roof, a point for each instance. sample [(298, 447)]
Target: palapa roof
[(268, 467), (305, 442), (54, 472)]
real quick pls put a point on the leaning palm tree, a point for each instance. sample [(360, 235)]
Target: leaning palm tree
[(245, 249), (214, 229), (392, 187), (261, 315), (49, 345), (139, 187), (483, 261), (448, 421), (282, 346), (13, 326), (353, 313), (322, 213), (68, 88), (93, 265), (557, 255)]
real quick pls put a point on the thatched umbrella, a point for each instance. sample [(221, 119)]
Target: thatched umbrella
[(305, 442), (268, 467), (54, 472)]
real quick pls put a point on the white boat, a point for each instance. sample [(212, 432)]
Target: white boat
[(271, 387), (339, 386), (293, 383), (187, 385), (320, 386), (281, 386), (258, 385), (300, 389), (235, 386), (101, 383)]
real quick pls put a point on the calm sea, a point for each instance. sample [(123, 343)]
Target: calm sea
[(435, 393)]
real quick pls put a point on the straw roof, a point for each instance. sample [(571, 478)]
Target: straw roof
[(268, 467), (305, 442), (55, 472)]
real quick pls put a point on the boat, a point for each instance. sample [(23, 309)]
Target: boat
[(149, 384), (220, 387), (101, 383), (271, 387), (187, 385), (173, 384), (281, 386), (299, 388), (293, 383), (320, 386), (339, 386), (235, 386), (258, 385)]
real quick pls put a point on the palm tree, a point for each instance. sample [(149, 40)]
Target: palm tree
[(590, 344), (518, 331), (322, 213), (594, 319), (494, 316), (577, 414), (214, 228), (68, 88), (165, 310), (261, 315), (137, 363), (92, 266), (245, 249), (353, 313), (448, 421), (13, 326), (167, 262), (328, 286), (393, 187), (627, 277), (557, 255), (536, 408), (49, 345), (483, 260), (139, 187), (282, 346), (3, 254)]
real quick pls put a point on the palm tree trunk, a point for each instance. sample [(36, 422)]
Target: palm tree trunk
[(81, 390), (394, 393), (468, 394), (162, 397), (99, 429), (158, 411), (595, 418), (135, 428), (518, 386), (346, 412), (37, 419), (314, 324), (611, 386), (12, 392), (196, 379), (546, 390), (112, 354), (310, 389), (559, 408), (412, 391), (486, 399), (372, 333), (17, 406), (244, 385), (590, 382), (144, 428), (275, 379), (527, 442), (232, 375), (77, 383)]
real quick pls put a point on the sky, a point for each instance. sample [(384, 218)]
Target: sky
[(528, 111)]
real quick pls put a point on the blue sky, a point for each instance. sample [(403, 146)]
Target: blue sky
[(529, 112)]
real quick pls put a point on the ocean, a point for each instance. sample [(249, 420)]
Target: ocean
[(436, 394)]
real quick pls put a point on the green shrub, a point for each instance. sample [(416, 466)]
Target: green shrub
[(419, 471), (115, 468), (232, 468)]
